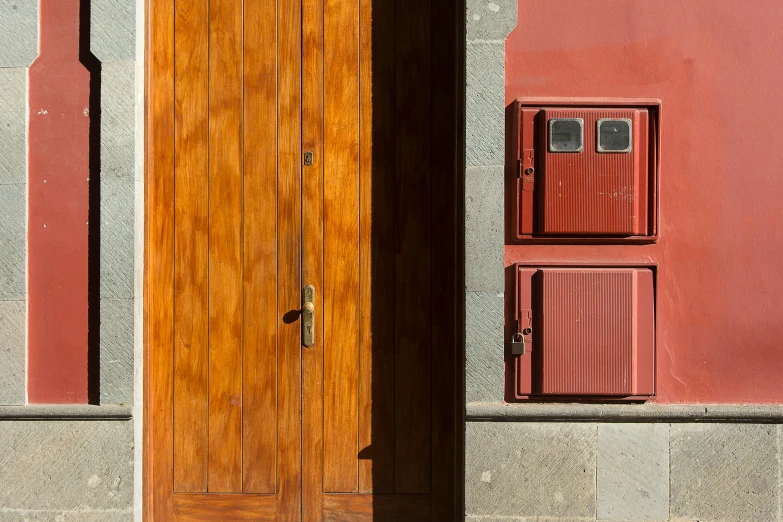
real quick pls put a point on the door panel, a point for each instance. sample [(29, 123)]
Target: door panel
[(224, 260), (260, 249), (413, 255), (191, 247), (259, 390), (244, 422), (376, 246), (312, 254), (289, 227), (224, 465), (341, 245)]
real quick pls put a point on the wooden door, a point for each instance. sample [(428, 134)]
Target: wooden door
[(243, 421)]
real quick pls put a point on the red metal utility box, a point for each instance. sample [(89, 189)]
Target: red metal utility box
[(583, 172), (584, 332)]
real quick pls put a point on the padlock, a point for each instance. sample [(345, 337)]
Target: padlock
[(518, 344)]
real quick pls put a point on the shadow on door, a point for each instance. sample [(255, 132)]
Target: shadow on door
[(414, 326)]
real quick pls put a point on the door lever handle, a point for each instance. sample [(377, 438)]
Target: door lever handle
[(308, 316)]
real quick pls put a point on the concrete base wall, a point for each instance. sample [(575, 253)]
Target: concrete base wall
[(567, 471), (66, 470)]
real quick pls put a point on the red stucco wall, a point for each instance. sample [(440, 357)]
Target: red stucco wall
[(715, 65)]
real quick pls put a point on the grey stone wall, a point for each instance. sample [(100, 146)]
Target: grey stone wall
[(113, 42), (488, 24), (18, 49), (562, 471), (66, 470), (73, 463)]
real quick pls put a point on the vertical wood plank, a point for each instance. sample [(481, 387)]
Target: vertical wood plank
[(288, 258), (160, 252), (341, 245), (225, 246), (312, 255), (376, 247), (259, 414), (413, 268), (447, 38), (191, 235)]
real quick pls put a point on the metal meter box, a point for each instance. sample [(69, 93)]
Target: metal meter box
[(584, 332), (583, 172)]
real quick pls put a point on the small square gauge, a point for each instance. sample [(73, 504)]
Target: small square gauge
[(614, 135), (566, 134)]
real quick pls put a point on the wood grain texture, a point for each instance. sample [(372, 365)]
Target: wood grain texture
[(341, 245), (376, 247), (413, 282), (376, 508), (288, 258), (376, 101), (312, 255), (214, 507), (191, 237), (160, 251), (147, 489), (259, 385), (225, 246)]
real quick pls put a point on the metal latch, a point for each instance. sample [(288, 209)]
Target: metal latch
[(518, 346), (308, 316)]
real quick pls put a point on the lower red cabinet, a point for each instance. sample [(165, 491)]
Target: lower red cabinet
[(584, 332)]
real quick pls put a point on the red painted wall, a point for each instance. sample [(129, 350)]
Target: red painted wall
[(58, 211), (716, 66)]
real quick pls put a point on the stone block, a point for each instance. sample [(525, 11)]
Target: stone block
[(484, 213), (18, 32), (528, 519), (67, 466), (530, 469), (118, 120), (117, 238), (12, 352), (117, 344), (484, 347), (724, 472), (485, 105), (13, 100), (12, 242), (632, 479), (113, 30), (490, 19)]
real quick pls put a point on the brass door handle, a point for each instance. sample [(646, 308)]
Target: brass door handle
[(308, 316)]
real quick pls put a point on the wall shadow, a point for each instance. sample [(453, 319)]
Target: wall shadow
[(93, 65), (417, 267)]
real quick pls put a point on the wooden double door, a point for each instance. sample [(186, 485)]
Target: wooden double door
[(296, 143)]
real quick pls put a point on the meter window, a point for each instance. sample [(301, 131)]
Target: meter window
[(614, 135), (566, 134)]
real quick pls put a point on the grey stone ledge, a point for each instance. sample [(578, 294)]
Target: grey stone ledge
[(538, 412), (65, 412)]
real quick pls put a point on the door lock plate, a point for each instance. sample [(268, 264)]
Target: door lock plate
[(308, 316)]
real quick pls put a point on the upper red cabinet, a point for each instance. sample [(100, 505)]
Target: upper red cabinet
[(583, 170)]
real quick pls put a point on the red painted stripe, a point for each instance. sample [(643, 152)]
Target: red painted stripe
[(58, 206)]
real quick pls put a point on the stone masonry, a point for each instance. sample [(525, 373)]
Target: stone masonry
[(70, 463)]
